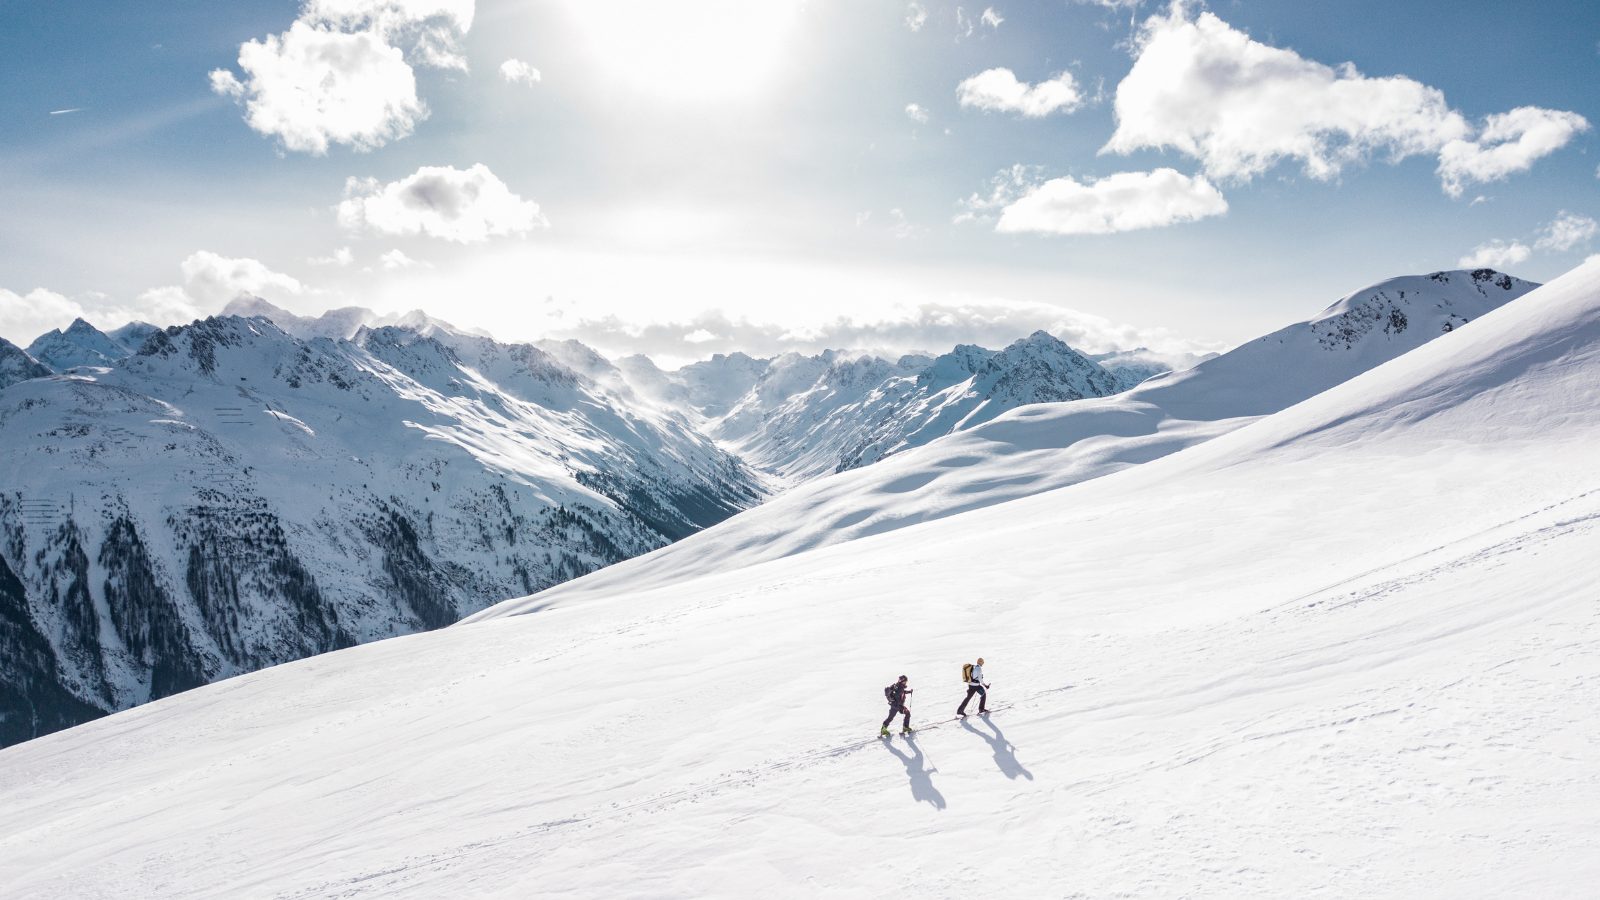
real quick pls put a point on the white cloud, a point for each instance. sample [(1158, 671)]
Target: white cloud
[(1496, 254), (342, 73), (916, 113), (1568, 230), (1509, 142), (1240, 107), (991, 18), (312, 86), (211, 280), (24, 317), (396, 259), (1127, 201), (999, 90), (343, 256), (430, 29), (916, 16), (164, 306), (515, 71), (439, 201)]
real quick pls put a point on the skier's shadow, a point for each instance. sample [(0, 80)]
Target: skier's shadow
[(1005, 754), (921, 776)]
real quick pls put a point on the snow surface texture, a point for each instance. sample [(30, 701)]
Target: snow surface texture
[(1049, 446), (1350, 649), (233, 497)]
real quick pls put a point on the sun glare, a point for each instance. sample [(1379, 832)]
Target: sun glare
[(710, 50)]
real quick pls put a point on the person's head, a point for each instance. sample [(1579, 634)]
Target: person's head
[(902, 679), (980, 660)]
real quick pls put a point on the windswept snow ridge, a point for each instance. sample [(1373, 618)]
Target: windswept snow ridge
[(1348, 648)]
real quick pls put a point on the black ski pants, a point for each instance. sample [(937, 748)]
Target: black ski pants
[(983, 699), (895, 709)]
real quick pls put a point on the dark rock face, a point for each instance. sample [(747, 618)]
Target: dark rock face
[(17, 365), (33, 699)]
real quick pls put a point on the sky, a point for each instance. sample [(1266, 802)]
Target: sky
[(767, 175)]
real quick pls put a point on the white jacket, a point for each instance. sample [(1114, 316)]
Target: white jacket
[(977, 675)]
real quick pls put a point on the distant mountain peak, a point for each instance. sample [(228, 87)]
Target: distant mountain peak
[(16, 364), (81, 344)]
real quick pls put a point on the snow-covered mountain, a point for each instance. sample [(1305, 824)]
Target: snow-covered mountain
[(16, 364), (1043, 447), (1134, 367), (81, 344), (232, 497), (1349, 648), (803, 417)]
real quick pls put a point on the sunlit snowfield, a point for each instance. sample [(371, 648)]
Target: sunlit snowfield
[(1350, 649)]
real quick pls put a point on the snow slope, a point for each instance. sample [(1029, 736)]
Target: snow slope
[(1047, 446), (1349, 649)]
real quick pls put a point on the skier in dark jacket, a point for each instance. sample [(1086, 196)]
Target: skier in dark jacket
[(898, 695)]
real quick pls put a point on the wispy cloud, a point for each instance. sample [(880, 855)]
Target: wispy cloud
[(1496, 254), (999, 90), (515, 71), (1126, 201), (65, 112), (1567, 231)]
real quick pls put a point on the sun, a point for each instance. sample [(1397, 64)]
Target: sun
[(705, 50)]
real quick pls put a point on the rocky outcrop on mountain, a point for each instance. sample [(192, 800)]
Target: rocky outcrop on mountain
[(16, 364)]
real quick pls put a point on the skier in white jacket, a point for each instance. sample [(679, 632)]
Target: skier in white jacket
[(975, 685)]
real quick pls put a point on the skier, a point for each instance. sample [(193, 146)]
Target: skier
[(973, 676), (898, 694)]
